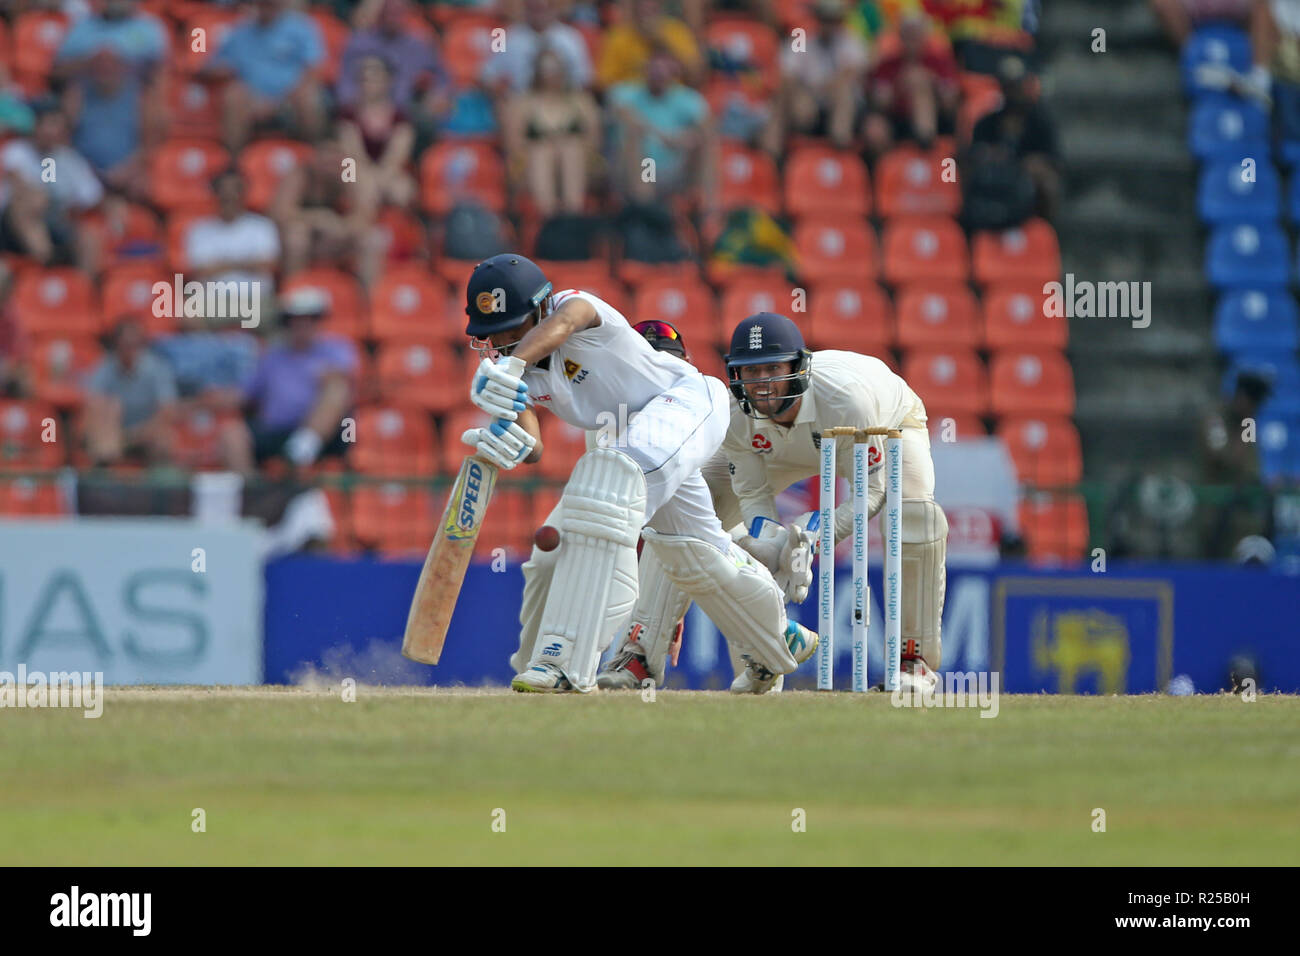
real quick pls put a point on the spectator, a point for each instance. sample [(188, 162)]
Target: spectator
[(235, 245), (271, 59), (113, 60), (15, 366), (1231, 461), (1019, 138), (210, 360), (420, 84), (626, 52), (323, 220), (130, 401), (1275, 77), (376, 132), (514, 67), (1180, 17), (820, 84), (550, 131), (39, 210), (298, 394), (662, 120), (914, 94)]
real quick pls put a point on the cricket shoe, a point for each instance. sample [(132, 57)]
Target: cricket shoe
[(626, 671), (915, 677), (801, 641), (757, 679), (541, 679)]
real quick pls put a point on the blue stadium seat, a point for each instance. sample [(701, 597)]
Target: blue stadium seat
[(1248, 255), (1256, 320), (1278, 436), (1214, 46), (1226, 126), (1280, 369), (1232, 191)]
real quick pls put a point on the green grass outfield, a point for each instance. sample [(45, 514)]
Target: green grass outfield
[(295, 776)]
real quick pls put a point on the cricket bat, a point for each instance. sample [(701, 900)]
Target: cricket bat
[(444, 568)]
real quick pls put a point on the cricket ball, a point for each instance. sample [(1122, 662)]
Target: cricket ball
[(547, 538)]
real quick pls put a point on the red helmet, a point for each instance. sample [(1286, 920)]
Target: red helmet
[(663, 337)]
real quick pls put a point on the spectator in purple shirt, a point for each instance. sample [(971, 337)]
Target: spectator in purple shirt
[(298, 395), (417, 72)]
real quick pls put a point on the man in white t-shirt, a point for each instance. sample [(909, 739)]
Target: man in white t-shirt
[(235, 245), (511, 68)]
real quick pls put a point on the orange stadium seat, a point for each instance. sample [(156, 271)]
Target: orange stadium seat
[(335, 33), (747, 177), (266, 163), (952, 379), (196, 438), (181, 171), (1014, 318), (910, 182), (454, 424), (975, 105), (396, 519), (937, 315), (745, 295), (686, 303), (215, 22), (455, 171), (60, 366), (37, 36), (466, 44), (135, 234), (964, 426), (343, 542), (22, 427), (747, 43), (1028, 253), (56, 300), (178, 230), (562, 446), (394, 440), (509, 521), (193, 108), (26, 498), (545, 498), (1055, 528), (835, 248), (409, 302), (347, 315), (1031, 383), (415, 373), (127, 289), (925, 249), (591, 276), (403, 232), (819, 179), (852, 314), (1046, 451)]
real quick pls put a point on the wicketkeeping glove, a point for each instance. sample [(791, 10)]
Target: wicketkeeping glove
[(499, 388), (503, 443)]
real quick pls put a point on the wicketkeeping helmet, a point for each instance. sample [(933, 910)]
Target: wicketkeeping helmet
[(762, 339)]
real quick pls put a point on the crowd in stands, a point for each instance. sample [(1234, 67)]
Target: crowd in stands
[(691, 161)]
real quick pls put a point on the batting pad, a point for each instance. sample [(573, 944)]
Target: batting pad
[(925, 548), (734, 590), (538, 570), (594, 587)]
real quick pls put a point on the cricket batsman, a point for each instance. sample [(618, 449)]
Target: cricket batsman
[(573, 353), (785, 396)]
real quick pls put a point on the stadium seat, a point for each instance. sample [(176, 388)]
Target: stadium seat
[(394, 440), (265, 163), (27, 498), (403, 233), (1208, 52), (1055, 527), (744, 47), (128, 290), (835, 247), (59, 299), (819, 179), (952, 379), (747, 177), (588, 276), (178, 229), (911, 182), (1231, 192), (335, 33), (929, 249), (1015, 316), (1228, 127), (1279, 445), (410, 303), (937, 315), (452, 172), (181, 171), (1028, 253), (466, 44), (37, 35), (688, 304), (414, 373), (1046, 451), (196, 438), (1256, 320), (396, 520), (215, 22), (562, 446), (23, 423), (1025, 382), (60, 365), (509, 522), (127, 239), (1280, 370), (343, 543), (193, 108), (852, 314), (963, 426), (1245, 254), (746, 295), (347, 304), (974, 107)]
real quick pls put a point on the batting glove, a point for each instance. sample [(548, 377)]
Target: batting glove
[(499, 388), (503, 443)]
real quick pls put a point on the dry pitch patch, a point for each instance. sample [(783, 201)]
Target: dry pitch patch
[(286, 775)]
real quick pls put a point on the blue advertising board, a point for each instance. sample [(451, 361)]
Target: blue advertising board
[(1130, 630)]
